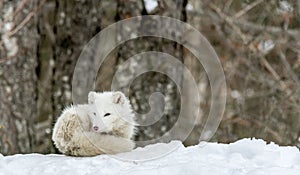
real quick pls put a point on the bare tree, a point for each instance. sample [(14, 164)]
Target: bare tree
[(18, 78)]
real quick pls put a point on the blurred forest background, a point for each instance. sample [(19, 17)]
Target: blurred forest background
[(258, 42)]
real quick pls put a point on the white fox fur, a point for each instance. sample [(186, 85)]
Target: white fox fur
[(104, 126), (121, 120)]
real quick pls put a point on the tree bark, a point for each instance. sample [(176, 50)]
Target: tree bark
[(18, 82), (151, 82)]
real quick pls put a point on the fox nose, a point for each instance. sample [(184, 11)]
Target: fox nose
[(96, 128)]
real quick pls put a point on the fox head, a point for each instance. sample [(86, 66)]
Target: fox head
[(108, 110)]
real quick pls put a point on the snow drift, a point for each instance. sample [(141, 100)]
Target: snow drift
[(246, 156)]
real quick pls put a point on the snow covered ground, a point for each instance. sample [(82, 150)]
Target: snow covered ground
[(253, 157)]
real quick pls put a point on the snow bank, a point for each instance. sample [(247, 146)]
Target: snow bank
[(253, 157)]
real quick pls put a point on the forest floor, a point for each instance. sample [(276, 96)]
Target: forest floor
[(246, 156)]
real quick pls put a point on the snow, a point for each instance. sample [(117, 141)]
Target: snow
[(285, 6), (11, 45), (236, 94), (246, 156), (266, 46), (189, 7), (150, 5)]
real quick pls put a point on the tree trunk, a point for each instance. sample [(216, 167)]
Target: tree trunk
[(36, 80), (18, 81), (151, 82)]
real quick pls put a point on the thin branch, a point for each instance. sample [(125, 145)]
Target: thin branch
[(250, 120), (267, 128), (20, 7), (288, 66), (18, 10), (247, 8), (273, 72), (230, 22), (239, 25), (245, 25), (26, 19), (21, 25), (227, 5), (283, 85)]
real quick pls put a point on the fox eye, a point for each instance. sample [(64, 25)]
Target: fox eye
[(107, 114), (94, 113)]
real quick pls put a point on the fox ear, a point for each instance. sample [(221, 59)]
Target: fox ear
[(118, 98), (92, 97)]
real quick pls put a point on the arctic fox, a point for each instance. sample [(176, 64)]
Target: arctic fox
[(116, 113), (105, 125)]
